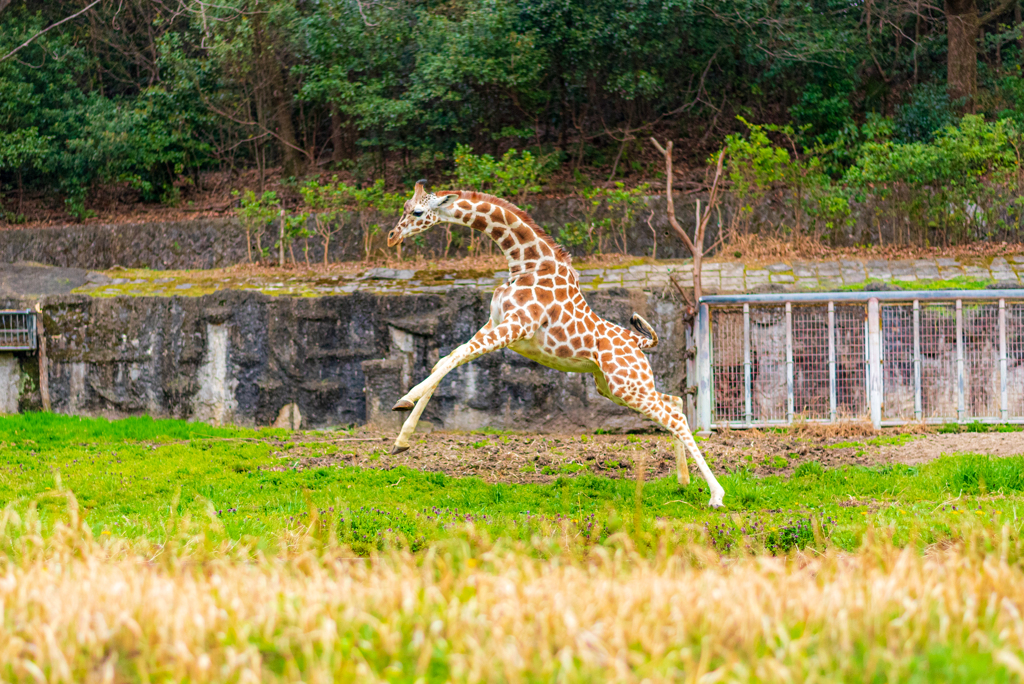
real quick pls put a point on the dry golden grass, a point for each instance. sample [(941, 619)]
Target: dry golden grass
[(79, 610)]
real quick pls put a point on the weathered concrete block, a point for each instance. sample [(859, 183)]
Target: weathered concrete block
[(384, 387)]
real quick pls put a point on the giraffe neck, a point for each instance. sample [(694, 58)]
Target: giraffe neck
[(527, 248)]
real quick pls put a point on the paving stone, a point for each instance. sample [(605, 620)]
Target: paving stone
[(780, 268), (907, 278), (804, 271), (755, 273), (977, 272), (1019, 259), (783, 278), (829, 268), (732, 285), (849, 277), (946, 261), (389, 274), (998, 261)]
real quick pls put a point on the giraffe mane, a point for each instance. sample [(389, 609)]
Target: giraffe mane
[(560, 252)]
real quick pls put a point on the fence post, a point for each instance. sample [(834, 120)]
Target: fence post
[(917, 360), (874, 364), (747, 370), (1004, 390), (789, 363), (703, 369), (961, 405), (832, 389)]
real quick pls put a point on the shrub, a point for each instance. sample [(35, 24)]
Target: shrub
[(606, 213), (256, 213)]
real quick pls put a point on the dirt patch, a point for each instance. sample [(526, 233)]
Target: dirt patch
[(932, 446), (524, 458)]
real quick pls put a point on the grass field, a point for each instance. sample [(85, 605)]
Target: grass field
[(143, 550)]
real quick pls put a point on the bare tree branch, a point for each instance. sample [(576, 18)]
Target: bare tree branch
[(51, 26), (999, 9), (696, 245)]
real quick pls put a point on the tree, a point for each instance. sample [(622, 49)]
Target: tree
[(962, 25), (695, 245)]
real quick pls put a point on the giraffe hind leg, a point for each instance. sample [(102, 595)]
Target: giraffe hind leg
[(682, 469), (666, 411)]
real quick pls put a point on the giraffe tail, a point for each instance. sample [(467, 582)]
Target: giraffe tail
[(648, 339)]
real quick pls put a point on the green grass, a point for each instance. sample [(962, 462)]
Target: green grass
[(958, 283), (130, 476)]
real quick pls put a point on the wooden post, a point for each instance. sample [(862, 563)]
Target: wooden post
[(44, 366), (280, 242)]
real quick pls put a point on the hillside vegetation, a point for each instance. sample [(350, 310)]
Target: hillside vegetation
[(873, 112)]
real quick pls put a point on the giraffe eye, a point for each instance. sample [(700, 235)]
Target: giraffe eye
[(418, 212)]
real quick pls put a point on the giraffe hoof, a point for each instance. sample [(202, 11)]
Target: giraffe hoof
[(716, 500), (398, 449), (403, 405)]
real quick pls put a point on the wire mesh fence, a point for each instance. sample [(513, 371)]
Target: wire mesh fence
[(774, 362), (1015, 360), (17, 330)]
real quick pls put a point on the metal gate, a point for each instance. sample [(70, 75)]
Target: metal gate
[(888, 357), (17, 330)]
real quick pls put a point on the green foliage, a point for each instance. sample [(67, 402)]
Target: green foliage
[(607, 216), (757, 166), (256, 213), (511, 178), (960, 184), (142, 97)]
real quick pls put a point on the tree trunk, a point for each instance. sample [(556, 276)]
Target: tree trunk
[(962, 60), (337, 137), (1016, 22), (280, 97)]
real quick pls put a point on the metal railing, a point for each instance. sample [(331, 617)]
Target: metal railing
[(17, 330), (888, 357)]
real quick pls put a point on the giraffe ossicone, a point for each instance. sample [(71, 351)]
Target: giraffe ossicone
[(540, 313)]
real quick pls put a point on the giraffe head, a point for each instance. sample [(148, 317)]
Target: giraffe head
[(422, 211)]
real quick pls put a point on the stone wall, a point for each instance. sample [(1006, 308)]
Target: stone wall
[(240, 357), (218, 242)]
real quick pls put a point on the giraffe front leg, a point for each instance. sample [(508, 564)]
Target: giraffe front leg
[(487, 340)]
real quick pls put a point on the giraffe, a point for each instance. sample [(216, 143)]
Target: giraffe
[(540, 313)]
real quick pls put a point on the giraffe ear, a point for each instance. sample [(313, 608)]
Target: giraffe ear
[(444, 201)]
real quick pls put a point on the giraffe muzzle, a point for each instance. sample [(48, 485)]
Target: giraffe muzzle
[(394, 237)]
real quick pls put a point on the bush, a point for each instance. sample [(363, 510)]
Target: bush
[(606, 214), (256, 213)]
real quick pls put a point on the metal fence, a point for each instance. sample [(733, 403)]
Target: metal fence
[(17, 330), (888, 357)]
